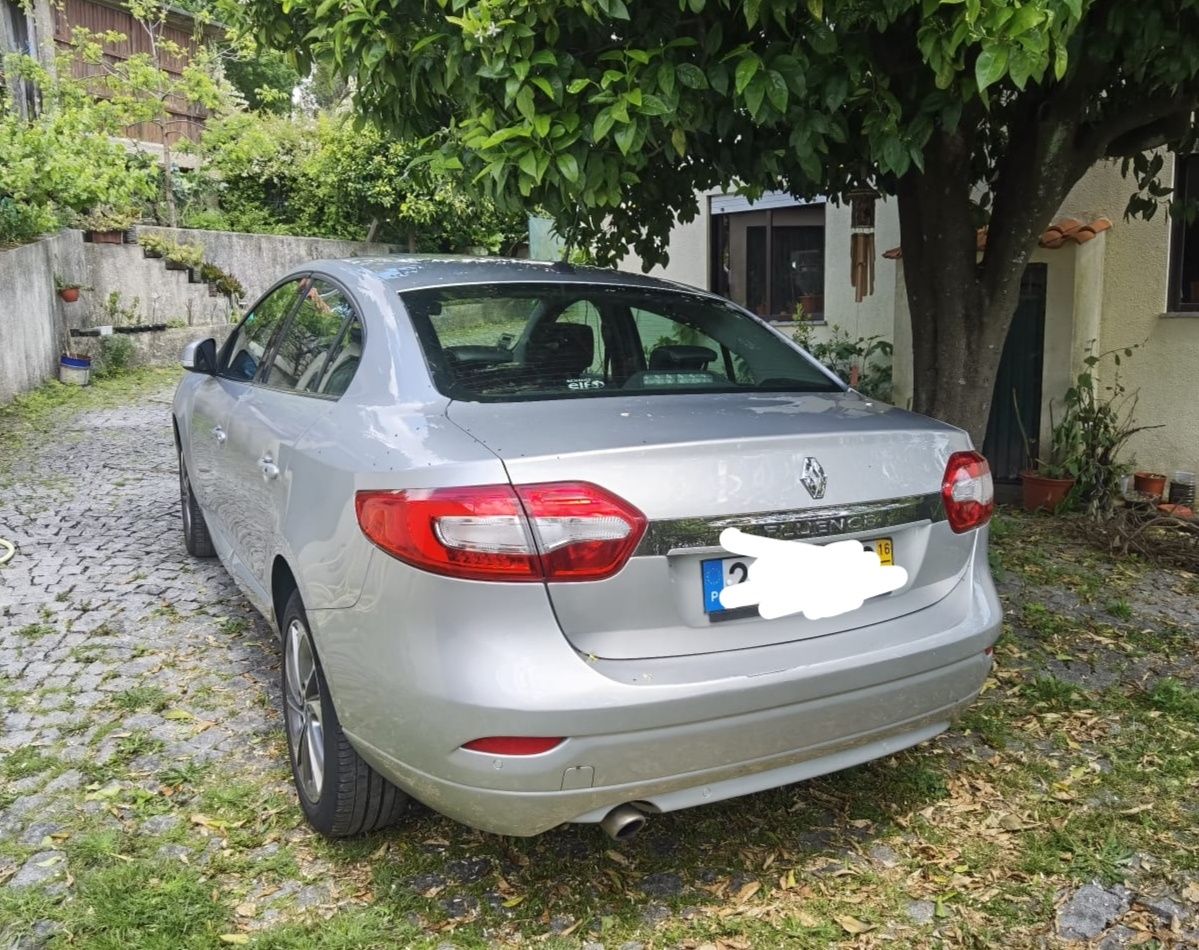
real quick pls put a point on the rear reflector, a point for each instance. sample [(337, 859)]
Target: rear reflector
[(968, 492), (513, 745), (557, 531)]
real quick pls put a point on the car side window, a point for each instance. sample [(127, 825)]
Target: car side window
[(343, 361), (671, 344), (314, 329), (252, 339)]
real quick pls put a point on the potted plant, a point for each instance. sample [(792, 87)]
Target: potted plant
[(107, 225), (1149, 483), (183, 256), (1046, 484), (230, 286), (152, 245), (67, 291), (211, 274)]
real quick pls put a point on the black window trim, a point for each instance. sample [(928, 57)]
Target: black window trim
[(223, 356), (260, 379), (1178, 226)]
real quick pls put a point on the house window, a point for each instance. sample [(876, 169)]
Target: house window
[(771, 261), (1184, 241)]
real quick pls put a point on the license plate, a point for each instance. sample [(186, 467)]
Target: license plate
[(719, 573)]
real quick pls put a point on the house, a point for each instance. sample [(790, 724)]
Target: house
[(1095, 277), (41, 28)]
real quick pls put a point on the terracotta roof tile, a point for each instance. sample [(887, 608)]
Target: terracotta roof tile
[(1062, 232)]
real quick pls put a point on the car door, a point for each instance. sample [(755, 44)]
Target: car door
[(215, 405), (285, 400)]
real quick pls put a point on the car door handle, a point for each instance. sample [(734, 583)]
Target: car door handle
[(269, 468), (219, 434)]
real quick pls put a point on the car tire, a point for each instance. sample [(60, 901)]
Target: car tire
[(341, 795), (196, 538)]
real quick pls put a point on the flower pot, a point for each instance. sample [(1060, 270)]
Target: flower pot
[(193, 276), (69, 294), (147, 252), (1044, 494), (107, 237), (175, 265), (129, 236), (75, 370), (213, 290), (1149, 483)]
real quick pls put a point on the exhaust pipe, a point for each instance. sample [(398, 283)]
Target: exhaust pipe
[(623, 822)]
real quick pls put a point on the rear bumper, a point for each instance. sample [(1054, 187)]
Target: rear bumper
[(413, 681)]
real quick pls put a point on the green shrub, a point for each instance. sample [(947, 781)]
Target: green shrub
[(21, 223), (116, 355), (870, 354)]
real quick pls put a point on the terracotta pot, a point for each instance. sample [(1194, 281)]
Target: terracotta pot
[(69, 294), (1149, 483), (107, 237), (1044, 494)]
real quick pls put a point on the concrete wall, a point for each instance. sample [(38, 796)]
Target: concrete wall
[(34, 322), (258, 260), (1135, 275), (30, 311)]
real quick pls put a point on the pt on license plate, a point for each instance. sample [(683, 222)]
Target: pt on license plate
[(722, 572)]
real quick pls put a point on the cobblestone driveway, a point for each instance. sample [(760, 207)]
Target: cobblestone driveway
[(145, 799)]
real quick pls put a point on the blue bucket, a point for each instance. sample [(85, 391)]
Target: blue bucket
[(75, 362)]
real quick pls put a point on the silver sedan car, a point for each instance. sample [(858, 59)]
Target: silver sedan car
[(481, 501)]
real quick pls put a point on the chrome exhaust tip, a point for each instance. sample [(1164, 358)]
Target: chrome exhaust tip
[(623, 822)]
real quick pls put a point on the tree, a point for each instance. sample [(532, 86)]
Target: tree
[(611, 113), (326, 176), (263, 77)]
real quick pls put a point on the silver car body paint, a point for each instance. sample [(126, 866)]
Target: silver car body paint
[(658, 705)]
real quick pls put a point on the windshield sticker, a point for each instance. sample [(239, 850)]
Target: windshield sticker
[(586, 383)]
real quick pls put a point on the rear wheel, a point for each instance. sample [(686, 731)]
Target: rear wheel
[(195, 529), (340, 793)]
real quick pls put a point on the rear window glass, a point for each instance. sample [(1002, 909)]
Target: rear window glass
[(509, 342)]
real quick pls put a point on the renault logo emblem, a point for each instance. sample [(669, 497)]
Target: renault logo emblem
[(813, 478)]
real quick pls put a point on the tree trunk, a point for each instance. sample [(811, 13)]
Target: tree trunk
[(168, 184), (960, 309)]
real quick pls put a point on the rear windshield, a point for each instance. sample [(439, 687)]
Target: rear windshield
[(507, 342)]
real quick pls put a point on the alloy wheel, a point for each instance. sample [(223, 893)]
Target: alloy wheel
[(303, 700)]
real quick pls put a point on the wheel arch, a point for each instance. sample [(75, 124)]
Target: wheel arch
[(283, 585)]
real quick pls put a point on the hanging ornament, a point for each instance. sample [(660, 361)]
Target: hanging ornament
[(861, 241)]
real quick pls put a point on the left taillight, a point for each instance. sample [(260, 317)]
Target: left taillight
[(968, 491), (556, 531)]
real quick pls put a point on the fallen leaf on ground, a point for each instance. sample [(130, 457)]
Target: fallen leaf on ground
[(851, 925)]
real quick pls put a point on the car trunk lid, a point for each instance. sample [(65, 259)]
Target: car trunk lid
[(696, 463)]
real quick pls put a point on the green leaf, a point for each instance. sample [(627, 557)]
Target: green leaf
[(1060, 61), (603, 125), (776, 90), (755, 92), (666, 78), (524, 103), (541, 124), (752, 9), (528, 164), (990, 66), (568, 167), (678, 138), (625, 136), (692, 76), (836, 92), (816, 8), (578, 85), (747, 68)]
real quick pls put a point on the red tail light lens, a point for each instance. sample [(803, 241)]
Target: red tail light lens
[(559, 531), (968, 491), (513, 745)]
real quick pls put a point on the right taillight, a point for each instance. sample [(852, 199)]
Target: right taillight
[(968, 492), (557, 531)]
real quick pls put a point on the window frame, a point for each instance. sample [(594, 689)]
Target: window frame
[(261, 379), (1178, 228), (227, 348)]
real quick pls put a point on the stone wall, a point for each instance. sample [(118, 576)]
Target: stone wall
[(34, 322), (31, 314)]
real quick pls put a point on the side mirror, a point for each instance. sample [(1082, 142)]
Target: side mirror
[(199, 356)]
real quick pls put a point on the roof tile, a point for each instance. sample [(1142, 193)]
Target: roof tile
[(1060, 233)]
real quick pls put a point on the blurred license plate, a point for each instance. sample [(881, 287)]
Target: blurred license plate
[(719, 573)]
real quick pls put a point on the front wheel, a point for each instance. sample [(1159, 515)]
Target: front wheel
[(340, 793)]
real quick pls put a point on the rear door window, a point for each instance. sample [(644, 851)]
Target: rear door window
[(507, 342), (300, 358)]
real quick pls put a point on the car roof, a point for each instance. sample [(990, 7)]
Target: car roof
[(404, 272)]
